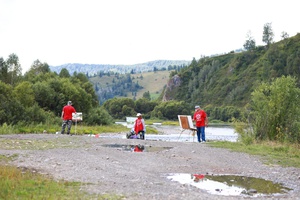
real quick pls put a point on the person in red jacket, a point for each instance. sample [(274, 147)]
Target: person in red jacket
[(201, 120), (66, 116), (139, 126)]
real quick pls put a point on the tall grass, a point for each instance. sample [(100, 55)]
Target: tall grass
[(27, 184), (7, 129), (273, 153)]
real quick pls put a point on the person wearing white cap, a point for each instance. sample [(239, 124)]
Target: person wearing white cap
[(201, 119), (139, 126)]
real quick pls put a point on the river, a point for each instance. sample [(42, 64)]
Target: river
[(175, 133)]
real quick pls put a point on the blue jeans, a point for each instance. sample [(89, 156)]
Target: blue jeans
[(201, 134)]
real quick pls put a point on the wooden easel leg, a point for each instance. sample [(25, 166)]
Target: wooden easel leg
[(180, 135), (194, 135)]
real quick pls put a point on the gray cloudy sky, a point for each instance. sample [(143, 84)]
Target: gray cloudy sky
[(135, 31)]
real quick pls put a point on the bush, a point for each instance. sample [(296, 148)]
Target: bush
[(99, 116), (275, 110)]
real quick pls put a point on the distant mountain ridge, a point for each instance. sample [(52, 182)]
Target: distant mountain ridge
[(93, 69)]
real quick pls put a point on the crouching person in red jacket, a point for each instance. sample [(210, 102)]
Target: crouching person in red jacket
[(139, 126)]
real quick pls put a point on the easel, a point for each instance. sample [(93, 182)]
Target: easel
[(75, 126), (76, 117), (186, 123)]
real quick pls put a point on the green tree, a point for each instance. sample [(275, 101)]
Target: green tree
[(3, 71), (43, 94), (170, 110), (268, 34), (145, 106), (147, 95), (11, 110), (99, 116), (128, 111), (64, 73), (115, 107), (250, 42), (24, 93), (275, 110), (14, 69), (38, 67), (284, 35)]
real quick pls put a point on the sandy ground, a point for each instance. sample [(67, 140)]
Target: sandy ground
[(139, 175)]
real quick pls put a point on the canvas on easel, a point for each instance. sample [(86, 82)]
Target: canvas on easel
[(77, 116), (186, 123)]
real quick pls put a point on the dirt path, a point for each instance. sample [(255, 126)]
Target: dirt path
[(139, 175)]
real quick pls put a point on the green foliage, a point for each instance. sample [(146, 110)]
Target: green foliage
[(37, 68), (64, 73), (146, 95), (268, 34), (275, 110), (24, 93), (145, 107), (250, 42), (119, 108), (223, 113), (246, 135), (14, 70), (170, 110), (99, 116), (228, 80), (7, 129), (41, 94), (11, 111)]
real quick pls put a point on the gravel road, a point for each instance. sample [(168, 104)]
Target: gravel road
[(139, 175)]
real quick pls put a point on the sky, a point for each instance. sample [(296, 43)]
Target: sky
[(129, 32)]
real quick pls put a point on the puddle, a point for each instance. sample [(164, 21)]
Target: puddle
[(136, 148), (231, 185)]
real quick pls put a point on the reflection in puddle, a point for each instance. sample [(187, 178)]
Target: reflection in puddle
[(136, 148), (230, 184)]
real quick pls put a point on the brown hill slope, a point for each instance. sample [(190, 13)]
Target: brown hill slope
[(154, 82)]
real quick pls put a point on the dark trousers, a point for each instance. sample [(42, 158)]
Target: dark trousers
[(66, 123), (142, 135)]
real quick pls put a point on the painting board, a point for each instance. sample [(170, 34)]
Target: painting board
[(77, 116), (186, 122)]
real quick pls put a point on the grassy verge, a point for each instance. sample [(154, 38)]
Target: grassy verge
[(26, 184), (78, 129), (272, 153)]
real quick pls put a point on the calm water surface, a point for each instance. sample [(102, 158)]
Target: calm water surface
[(175, 133)]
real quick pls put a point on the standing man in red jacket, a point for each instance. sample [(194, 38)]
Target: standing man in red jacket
[(201, 121), (66, 116)]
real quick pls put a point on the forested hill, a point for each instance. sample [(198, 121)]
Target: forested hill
[(229, 79), (95, 69)]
